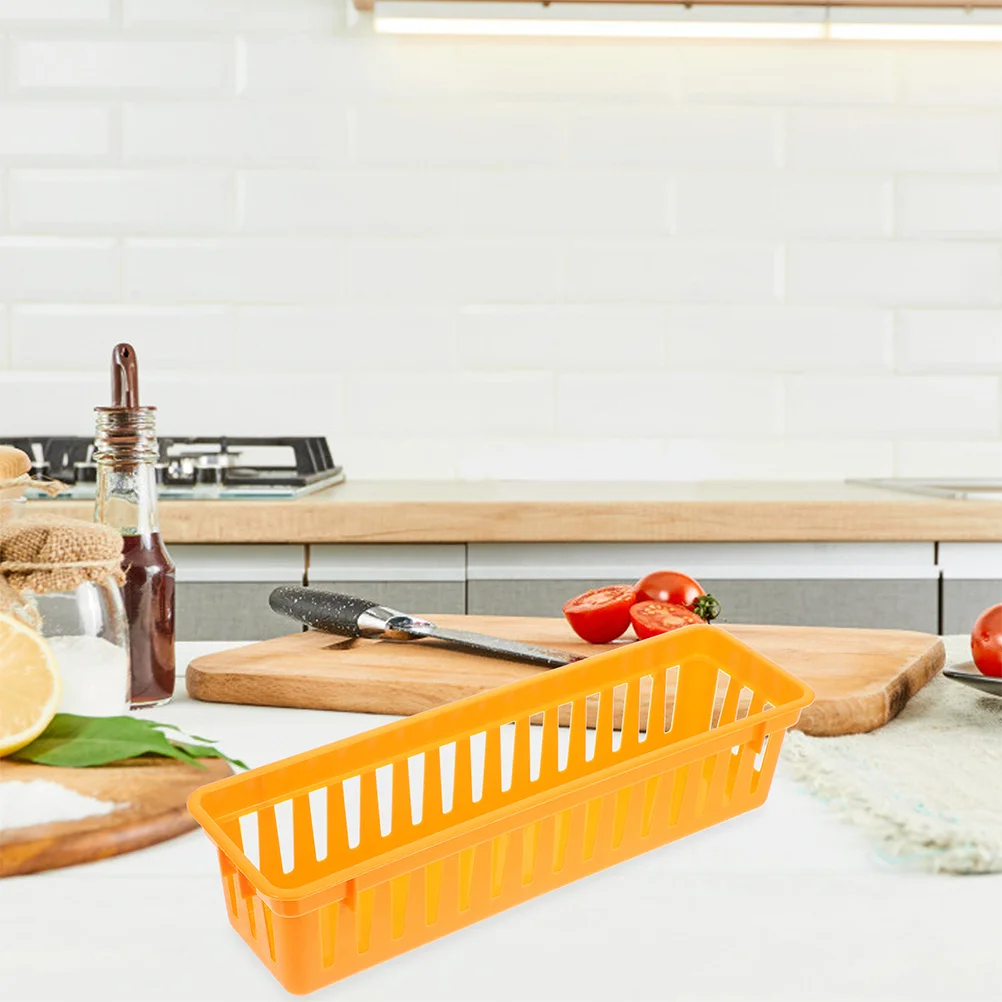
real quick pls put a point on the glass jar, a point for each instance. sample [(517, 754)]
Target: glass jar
[(88, 632), (12, 507)]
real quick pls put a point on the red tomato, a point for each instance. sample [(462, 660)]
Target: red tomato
[(986, 642), (652, 618), (669, 586), (602, 614), (677, 588)]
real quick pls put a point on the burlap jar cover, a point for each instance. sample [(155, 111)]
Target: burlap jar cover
[(54, 554)]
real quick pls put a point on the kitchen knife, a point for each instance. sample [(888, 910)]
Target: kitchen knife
[(349, 616)]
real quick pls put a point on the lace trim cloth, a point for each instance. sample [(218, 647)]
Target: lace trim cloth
[(927, 787)]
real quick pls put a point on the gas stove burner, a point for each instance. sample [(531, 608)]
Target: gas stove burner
[(197, 467)]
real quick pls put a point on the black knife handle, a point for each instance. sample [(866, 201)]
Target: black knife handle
[(323, 610)]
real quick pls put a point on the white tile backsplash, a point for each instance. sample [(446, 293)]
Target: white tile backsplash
[(51, 132), (234, 133), (670, 405), (562, 338), (424, 134), (627, 136), (450, 271), (581, 259), (893, 139), (448, 405), (57, 268), (552, 204), (781, 338), (950, 207), (949, 341), (720, 203), (676, 271), (270, 403), (963, 458), (895, 273), (117, 201), (950, 75), (54, 12), (62, 337), (336, 338), (236, 271), (162, 66), (875, 406), (328, 66), (373, 203), (526, 69), (255, 15), (777, 73)]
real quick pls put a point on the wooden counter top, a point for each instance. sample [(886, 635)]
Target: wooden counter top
[(517, 511)]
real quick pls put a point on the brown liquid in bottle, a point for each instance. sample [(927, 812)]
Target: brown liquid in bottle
[(149, 605)]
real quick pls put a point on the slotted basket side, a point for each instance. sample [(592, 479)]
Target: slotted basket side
[(389, 880), (693, 656)]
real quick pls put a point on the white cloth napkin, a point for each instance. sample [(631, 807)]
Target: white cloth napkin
[(928, 785)]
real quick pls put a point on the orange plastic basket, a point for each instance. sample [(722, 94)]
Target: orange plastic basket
[(342, 857)]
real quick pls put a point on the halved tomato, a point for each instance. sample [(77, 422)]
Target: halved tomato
[(602, 614), (653, 618)]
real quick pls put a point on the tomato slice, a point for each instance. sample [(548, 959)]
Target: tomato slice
[(653, 618), (602, 614), (986, 642)]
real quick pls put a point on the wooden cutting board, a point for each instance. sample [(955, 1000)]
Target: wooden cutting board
[(861, 678), (155, 790)]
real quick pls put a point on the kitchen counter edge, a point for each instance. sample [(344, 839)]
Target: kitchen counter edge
[(500, 511)]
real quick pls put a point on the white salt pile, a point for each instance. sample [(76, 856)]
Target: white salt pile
[(39, 802)]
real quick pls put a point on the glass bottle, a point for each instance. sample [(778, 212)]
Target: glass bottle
[(126, 453)]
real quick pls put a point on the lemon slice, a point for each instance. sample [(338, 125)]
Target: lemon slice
[(29, 685)]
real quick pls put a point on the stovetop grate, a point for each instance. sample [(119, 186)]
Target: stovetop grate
[(198, 466)]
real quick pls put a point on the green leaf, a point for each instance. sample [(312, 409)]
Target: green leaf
[(76, 741), (207, 751)]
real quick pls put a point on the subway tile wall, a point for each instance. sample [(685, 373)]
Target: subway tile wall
[(523, 259)]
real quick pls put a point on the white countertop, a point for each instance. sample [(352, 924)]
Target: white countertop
[(783, 903)]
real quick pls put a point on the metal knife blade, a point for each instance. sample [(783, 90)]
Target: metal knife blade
[(512, 650)]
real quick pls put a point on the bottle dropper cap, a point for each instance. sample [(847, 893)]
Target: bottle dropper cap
[(124, 377)]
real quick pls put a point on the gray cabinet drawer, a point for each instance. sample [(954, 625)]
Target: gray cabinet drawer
[(406, 596), (972, 582), (229, 610), (908, 604), (415, 577), (223, 589), (879, 585), (965, 600)]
